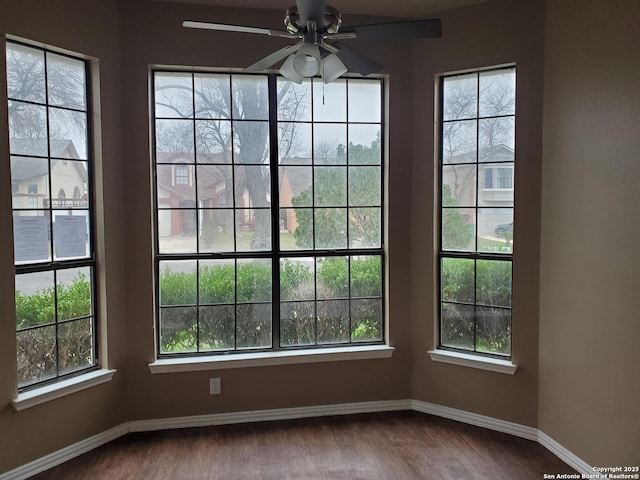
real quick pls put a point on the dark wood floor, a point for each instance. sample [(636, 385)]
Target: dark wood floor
[(398, 445)]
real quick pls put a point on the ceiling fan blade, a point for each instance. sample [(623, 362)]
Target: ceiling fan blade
[(236, 28), (272, 58), (431, 28), (356, 61), (311, 10)]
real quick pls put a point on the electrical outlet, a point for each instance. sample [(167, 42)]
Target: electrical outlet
[(215, 386)]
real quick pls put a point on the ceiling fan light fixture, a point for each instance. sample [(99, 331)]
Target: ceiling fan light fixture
[(289, 72), (307, 60), (332, 68)]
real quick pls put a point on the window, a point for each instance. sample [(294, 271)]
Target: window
[(181, 175), (277, 241), (477, 157), (48, 100), (498, 178), (15, 187)]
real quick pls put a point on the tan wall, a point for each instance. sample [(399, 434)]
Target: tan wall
[(492, 34), (590, 271), (89, 27)]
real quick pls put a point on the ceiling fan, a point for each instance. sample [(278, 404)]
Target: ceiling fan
[(318, 50)]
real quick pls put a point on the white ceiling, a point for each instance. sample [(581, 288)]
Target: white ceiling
[(386, 8)]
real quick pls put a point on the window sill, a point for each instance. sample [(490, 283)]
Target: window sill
[(263, 359), (473, 361), (60, 389)]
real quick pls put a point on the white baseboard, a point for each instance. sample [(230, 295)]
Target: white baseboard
[(490, 423), (565, 455), (65, 454), (84, 446), (268, 415)]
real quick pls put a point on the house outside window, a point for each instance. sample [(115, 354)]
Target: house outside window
[(48, 104), (476, 199), (277, 241)]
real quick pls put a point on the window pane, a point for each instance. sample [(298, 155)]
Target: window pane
[(70, 184), (27, 129), (25, 73), (294, 143), (330, 186), (494, 330), (296, 228), (493, 285), (213, 141), (295, 186), (364, 145), (458, 229), (365, 186), (495, 230), (250, 97), (68, 133), (365, 227), (174, 95), (329, 144), (457, 280), (174, 141), (332, 277), (217, 328), (459, 142), (255, 184), (497, 92), (35, 299), (254, 325), (253, 229), (74, 293), (177, 231), (366, 276), (297, 323), (366, 320), (364, 101), (459, 185), (31, 236), (217, 281), (294, 100), (460, 97), (456, 328), (254, 280), (497, 139), (330, 227), (333, 321), (216, 231), (251, 142), (36, 355), (212, 95), (178, 327), (75, 345), (31, 179), (178, 282), (214, 186), (66, 82), (297, 279), (329, 101)]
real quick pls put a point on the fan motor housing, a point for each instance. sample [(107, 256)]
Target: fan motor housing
[(330, 23)]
